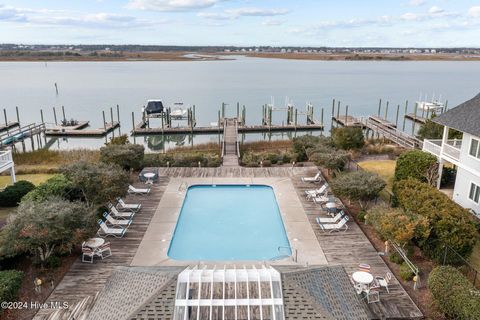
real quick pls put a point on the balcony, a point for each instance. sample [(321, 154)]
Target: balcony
[(451, 149)]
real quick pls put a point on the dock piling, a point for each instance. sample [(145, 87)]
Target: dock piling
[(118, 120), (55, 115), (386, 110), (18, 116), (63, 113), (104, 122), (396, 119), (404, 116), (414, 118), (379, 108), (111, 118)]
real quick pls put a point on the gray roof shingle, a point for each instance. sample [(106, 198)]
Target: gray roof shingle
[(465, 117)]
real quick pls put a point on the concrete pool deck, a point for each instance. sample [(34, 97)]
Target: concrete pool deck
[(156, 241)]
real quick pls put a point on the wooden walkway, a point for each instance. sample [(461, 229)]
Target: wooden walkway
[(77, 131), (348, 121), (415, 118), (389, 131), (85, 279), (230, 149), (351, 248)]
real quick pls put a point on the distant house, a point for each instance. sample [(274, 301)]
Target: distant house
[(6, 163), (464, 153)]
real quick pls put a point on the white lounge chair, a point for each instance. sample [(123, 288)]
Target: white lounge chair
[(317, 178), (104, 250), (138, 191), (321, 199), (342, 224), (384, 281), (106, 231), (331, 220), (123, 215), (317, 192), (121, 205), (116, 222)]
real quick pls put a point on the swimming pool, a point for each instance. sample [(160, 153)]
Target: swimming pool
[(229, 222)]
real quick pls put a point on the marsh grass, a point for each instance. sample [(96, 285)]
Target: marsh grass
[(259, 146), (210, 147)]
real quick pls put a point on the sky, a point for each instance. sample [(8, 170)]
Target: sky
[(334, 23)]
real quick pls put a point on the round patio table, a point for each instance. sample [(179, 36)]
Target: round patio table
[(331, 208), (94, 242), (149, 176), (362, 277)]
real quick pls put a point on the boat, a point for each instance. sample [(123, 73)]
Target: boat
[(431, 107), (154, 106), (178, 111)]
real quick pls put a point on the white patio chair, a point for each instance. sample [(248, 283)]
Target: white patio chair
[(331, 220), (373, 295), (121, 205), (116, 222), (316, 178), (342, 224), (321, 199), (104, 250), (87, 253), (317, 192), (122, 215), (138, 191), (384, 281), (106, 231)]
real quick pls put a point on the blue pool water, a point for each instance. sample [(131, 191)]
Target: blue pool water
[(229, 222)]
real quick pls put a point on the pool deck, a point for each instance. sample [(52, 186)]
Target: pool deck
[(346, 249), (154, 246)]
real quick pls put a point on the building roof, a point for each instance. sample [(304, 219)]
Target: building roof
[(465, 117), (153, 293)]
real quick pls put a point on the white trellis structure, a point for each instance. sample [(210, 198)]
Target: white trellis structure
[(229, 294), (6, 163)]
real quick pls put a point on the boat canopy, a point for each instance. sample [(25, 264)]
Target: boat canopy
[(154, 106)]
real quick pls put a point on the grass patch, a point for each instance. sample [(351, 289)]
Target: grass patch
[(261, 146), (36, 179), (49, 161), (384, 168)]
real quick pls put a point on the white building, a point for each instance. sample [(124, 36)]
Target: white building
[(464, 153), (6, 163)]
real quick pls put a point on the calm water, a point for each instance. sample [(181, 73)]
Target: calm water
[(87, 88), (211, 228)]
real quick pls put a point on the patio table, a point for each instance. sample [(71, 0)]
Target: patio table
[(94, 243), (149, 176)]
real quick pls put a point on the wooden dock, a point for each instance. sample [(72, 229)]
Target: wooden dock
[(382, 121), (79, 131), (80, 125), (389, 131), (9, 125), (348, 121), (415, 118), (141, 129), (230, 146)]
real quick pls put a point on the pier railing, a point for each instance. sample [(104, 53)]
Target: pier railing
[(20, 134), (6, 160)]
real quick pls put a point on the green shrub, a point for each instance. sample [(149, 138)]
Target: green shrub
[(450, 224), (120, 140), (303, 143), (182, 159), (395, 258), (127, 156), (418, 165), (11, 196), (405, 272), (453, 294), (53, 262), (58, 185), (361, 186), (348, 138), (10, 283), (330, 158)]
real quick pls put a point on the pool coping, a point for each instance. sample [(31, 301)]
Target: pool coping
[(154, 246)]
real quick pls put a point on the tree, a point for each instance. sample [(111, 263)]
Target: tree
[(58, 185), (303, 143), (432, 130), (361, 186), (398, 225), (348, 138), (127, 156), (418, 165), (11, 196), (99, 183), (42, 228), (330, 158)]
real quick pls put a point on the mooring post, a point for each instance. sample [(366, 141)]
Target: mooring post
[(296, 118), (396, 121), (346, 115), (5, 116), (104, 122), (118, 120), (218, 123), (446, 106), (223, 110), (18, 116), (338, 112), (238, 110), (379, 108), (386, 110), (333, 113), (55, 116), (194, 116), (405, 115), (321, 118), (41, 116), (111, 118), (414, 118), (63, 112), (133, 126), (244, 117), (270, 117)]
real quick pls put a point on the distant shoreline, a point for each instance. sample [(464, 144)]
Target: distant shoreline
[(112, 56)]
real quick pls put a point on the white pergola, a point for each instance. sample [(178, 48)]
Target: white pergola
[(6, 163), (229, 294)]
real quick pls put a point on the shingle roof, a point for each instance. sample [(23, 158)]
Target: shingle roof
[(465, 117)]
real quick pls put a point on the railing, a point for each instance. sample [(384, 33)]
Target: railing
[(224, 146), (392, 134), (6, 160), (236, 137), (451, 148)]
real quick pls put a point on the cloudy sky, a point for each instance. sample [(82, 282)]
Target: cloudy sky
[(421, 23)]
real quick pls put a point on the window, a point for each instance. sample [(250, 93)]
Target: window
[(475, 148), (474, 193)]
